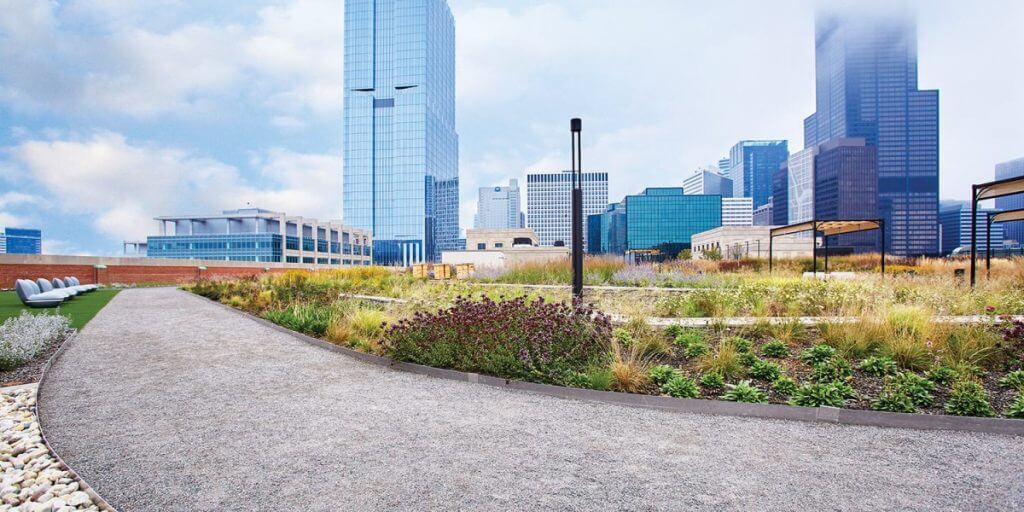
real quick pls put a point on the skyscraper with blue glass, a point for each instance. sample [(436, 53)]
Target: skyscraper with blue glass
[(1004, 171), (401, 178), (753, 163), (866, 87)]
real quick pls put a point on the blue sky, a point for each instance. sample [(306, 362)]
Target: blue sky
[(113, 112)]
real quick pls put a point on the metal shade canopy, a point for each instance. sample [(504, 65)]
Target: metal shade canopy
[(827, 228), (991, 190), (1008, 216)]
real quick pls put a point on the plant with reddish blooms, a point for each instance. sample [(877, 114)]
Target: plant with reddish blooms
[(1013, 337), (516, 339)]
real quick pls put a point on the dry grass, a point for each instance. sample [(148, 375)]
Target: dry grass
[(629, 368), (725, 361)]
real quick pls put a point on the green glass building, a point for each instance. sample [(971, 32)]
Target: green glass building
[(662, 219)]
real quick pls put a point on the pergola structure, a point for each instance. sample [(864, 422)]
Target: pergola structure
[(991, 190), (1007, 216), (827, 228)]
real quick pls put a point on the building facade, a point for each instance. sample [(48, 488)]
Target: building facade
[(493, 239), (845, 189), (661, 220), (401, 177), (764, 215), (866, 87), (737, 211), (21, 241), (752, 164), (800, 185), (955, 222), (606, 231), (258, 235), (779, 202), (1013, 231), (738, 242), (498, 207), (708, 182), (549, 204)]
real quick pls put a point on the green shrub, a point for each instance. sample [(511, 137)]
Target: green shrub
[(673, 331), (308, 318), (680, 386), (663, 373), (687, 338), (744, 391), (879, 366), (942, 375), (784, 385), (623, 336), (765, 370), (535, 341), (893, 399), (724, 361), (817, 354), (818, 395), (747, 359), (1016, 409), (832, 370), (969, 399), (742, 344), (697, 348), (916, 387), (1014, 379), (775, 348), (712, 380)]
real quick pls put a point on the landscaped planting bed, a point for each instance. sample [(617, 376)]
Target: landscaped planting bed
[(896, 359)]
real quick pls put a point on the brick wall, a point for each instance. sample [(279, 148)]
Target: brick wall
[(124, 273)]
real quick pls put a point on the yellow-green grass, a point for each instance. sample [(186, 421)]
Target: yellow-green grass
[(79, 310)]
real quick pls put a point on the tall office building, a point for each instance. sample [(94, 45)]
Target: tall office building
[(401, 178), (606, 231), (866, 86), (549, 206), (846, 188), (800, 185), (498, 207), (705, 181), (724, 166), (737, 211), (752, 163), (779, 202), (955, 220), (1014, 231), (21, 241)]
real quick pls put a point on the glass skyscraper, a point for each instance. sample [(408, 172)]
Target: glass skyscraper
[(843, 175), (955, 220), (659, 218), (1014, 230), (866, 87), (401, 178), (498, 208), (549, 203), (21, 241), (753, 162)]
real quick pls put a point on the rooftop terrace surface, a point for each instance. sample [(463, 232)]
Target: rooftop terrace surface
[(166, 401)]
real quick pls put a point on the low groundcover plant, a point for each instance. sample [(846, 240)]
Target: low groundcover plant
[(25, 337)]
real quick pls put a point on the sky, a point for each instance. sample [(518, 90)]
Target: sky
[(114, 112)]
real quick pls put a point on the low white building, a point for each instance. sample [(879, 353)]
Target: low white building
[(736, 242)]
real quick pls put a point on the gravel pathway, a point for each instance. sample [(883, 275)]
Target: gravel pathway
[(167, 402)]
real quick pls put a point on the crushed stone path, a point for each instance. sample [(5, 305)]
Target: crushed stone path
[(168, 402)]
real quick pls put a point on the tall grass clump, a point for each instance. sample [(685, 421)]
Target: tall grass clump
[(307, 318)]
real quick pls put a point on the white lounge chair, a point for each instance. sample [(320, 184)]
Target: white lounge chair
[(46, 287), (33, 297), (63, 285), (74, 281)]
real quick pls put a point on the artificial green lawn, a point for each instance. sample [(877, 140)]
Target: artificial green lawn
[(79, 310)]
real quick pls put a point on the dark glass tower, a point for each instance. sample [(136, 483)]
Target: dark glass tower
[(846, 188), (753, 164), (866, 87), (401, 152)]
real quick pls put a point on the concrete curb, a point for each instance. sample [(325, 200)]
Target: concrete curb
[(97, 500), (832, 415)]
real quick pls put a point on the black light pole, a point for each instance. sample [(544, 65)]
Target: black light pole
[(575, 130), (974, 231)]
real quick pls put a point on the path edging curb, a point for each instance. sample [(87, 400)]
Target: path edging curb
[(856, 417), (97, 500)]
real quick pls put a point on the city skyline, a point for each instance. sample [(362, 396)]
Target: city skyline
[(199, 100)]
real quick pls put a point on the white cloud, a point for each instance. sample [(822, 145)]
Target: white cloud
[(289, 59), (121, 186), (10, 220)]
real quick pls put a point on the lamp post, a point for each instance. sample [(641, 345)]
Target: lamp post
[(575, 131)]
